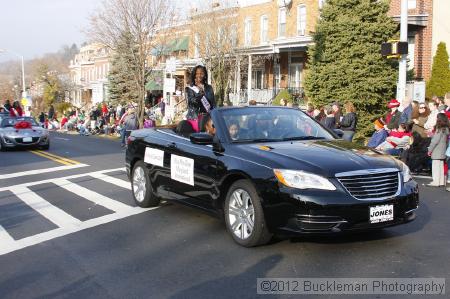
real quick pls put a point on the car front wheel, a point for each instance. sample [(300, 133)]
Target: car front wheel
[(140, 184), (244, 215)]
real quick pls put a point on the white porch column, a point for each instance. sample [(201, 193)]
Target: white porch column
[(238, 79), (249, 79)]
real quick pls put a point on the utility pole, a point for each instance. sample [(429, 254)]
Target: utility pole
[(401, 86)]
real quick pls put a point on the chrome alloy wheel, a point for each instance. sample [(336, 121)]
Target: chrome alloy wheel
[(241, 214), (139, 184)]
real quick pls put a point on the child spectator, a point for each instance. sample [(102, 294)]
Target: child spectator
[(148, 123), (396, 141), (380, 134)]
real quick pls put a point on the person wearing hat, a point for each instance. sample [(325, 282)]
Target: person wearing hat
[(392, 119), (380, 134)]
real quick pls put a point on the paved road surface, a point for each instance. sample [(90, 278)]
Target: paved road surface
[(69, 228)]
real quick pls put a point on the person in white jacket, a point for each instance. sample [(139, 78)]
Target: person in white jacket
[(431, 121)]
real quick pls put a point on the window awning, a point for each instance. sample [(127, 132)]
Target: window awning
[(179, 44)]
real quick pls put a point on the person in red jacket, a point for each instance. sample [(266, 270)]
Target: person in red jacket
[(104, 110)]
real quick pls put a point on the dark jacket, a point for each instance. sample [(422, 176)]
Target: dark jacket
[(395, 120), (329, 122), (194, 101), (349, 121)]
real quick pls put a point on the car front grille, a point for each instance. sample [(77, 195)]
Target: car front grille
[(371, 184), (20, 140)]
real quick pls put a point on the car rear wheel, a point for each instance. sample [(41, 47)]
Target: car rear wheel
[(244, 215), (2, 147), (140, 184)]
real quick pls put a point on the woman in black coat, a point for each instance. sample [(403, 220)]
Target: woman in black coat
[(349, 121), (200, 97)]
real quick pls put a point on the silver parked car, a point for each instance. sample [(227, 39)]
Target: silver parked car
[(14, 136)]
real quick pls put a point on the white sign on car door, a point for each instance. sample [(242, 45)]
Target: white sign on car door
[(154, 156), (182, 169)]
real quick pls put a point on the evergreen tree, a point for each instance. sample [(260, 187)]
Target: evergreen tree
[(439, 83), (345, 62), (121, 84)]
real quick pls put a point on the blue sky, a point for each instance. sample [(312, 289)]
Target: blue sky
[(34, 27)]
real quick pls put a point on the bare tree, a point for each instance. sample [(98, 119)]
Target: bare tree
[(134, 22), (215, 36)]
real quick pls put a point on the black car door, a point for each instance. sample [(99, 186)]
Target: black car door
[(193, 173)]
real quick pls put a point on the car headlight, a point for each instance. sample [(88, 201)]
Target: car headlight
[(302, 180), (406, 173)]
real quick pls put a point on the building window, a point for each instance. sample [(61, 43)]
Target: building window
[(276, 73), (234, 35), (412, 4), (258, 79), (264, 29), (220, 35), (282, 22), (301, 20), (196, 45), (248, 32), (295, 71)]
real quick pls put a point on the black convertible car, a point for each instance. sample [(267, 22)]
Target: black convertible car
[(271, 170)]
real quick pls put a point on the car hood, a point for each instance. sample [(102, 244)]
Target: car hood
[(319, 156)]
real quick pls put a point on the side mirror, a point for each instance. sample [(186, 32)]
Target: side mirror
[(339, 132), (201, 138)]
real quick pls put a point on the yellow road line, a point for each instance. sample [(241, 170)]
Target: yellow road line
[(57, 159)]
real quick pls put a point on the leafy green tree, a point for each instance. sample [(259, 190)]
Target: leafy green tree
[(345, 62), (439, 83)]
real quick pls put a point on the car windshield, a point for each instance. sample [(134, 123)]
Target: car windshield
[(10, 122), (271, 124)]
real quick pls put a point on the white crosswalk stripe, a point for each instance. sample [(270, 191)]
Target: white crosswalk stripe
[(95, 197), (111, 180), (43, 207), (66, 223)]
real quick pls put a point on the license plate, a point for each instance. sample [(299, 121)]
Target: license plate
[(27, 139), (381, 213)]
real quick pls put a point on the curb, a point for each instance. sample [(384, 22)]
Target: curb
[(102, 136)]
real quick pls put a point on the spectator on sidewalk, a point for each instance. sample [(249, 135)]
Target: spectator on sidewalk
[(349, 121), (380, 134), (432, 118), (392, 119), (437, 149), (7, 105), (397, 140), (51, 112), (408, 107), (130, 124), (420, 119), (42, 119), (337, 114), (329, 121)]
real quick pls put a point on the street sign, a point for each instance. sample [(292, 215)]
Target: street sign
[(419, 91), (169, 85)]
